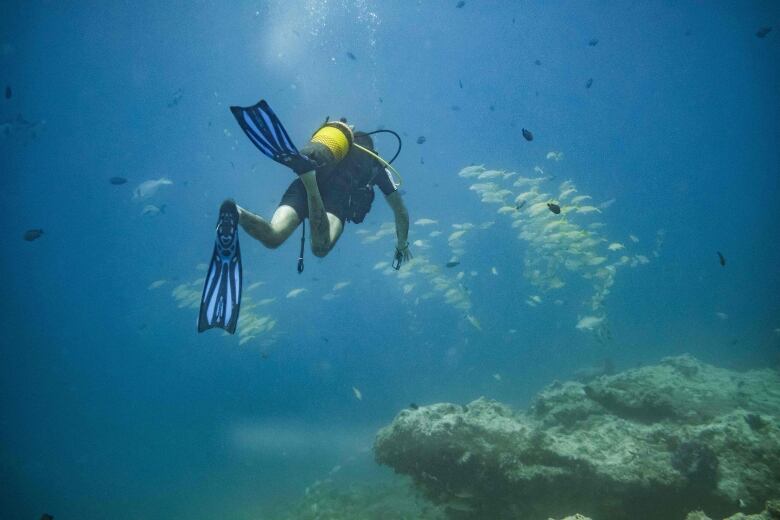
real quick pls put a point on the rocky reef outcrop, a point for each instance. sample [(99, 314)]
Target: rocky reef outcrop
[(654, 443)]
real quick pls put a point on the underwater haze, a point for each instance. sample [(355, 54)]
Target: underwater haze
[(656, 133)]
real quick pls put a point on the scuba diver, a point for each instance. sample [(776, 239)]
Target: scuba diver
[(337, 171)]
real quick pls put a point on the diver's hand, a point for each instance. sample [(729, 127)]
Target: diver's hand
[(299, 163), (402, 255)]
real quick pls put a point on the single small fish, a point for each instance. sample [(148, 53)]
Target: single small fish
[(117, 181), (414, 406), (148, 188), (721, 259), (474, 321), (497, 377), (421, 139), (554, 207), (32, 234), (425, 222), (722, 315), (589, 83), (528, 135), (537, 62), (295, 292), (760, 33), (460, 83), (590, 322), (358, 393), (176, 98), (156, 284), (150, 210), (593, 42), (519, 206), (460, 4), (492, 108), (351, 56), (455, 108), (456, 235), (340, 285), (452, 264), (8, 92)]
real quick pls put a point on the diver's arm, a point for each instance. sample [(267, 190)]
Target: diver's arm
[(402, 253), (396, 203)]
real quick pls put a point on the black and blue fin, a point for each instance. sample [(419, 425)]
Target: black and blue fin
[(267, 133), (221, 298)]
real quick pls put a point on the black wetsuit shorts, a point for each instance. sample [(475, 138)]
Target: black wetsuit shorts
[(334, 197)]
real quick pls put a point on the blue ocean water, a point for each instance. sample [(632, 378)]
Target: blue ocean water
[(112, 404)]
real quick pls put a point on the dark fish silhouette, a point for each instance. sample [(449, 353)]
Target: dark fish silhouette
[(351, 56), (46, 516), (760, 33), (421, 139), (8, 92), (589, 83), (492, 108), (554, 207), (593, 42), (117, 181), (452, 264), (537, 62), (176, 98), (528, 135), (413, 406), (721, 259), (460, 83), (32, 234), (460, 4), (518, 207)]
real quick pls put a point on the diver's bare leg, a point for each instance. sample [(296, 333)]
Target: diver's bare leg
[(270, 234), (326, 228)]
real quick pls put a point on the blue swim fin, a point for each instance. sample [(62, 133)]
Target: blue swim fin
[(267, 133), (221, 298)]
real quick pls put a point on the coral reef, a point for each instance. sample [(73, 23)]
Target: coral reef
[(771, 512), (653, 442)]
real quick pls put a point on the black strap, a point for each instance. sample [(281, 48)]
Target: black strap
[(303, 244)]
